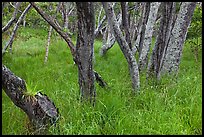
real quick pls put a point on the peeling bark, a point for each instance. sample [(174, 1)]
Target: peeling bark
[(40, 110)]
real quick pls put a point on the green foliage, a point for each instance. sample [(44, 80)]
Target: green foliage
[(171, 106), (195, 29)]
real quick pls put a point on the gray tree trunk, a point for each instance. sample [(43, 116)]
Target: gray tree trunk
[(109, 41), (40, 110), (64, 35), (177, 38), (154, 6), (141, 11), (49, 35), (11, 21), (48, 44), (132, 64), (144, 23), (10, 42), (154, 66), (84, 49), (125, 22)]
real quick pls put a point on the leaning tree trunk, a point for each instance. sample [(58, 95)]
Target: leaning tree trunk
[(84, 49), (132, 64), (154, 66), (12, 20), (154, 6), (40, 110), (10, 42), (110, 40), (177, 38)]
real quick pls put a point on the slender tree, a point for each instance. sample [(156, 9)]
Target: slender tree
[(132, 64), (154, 6)]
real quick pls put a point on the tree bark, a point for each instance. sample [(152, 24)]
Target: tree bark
[(125, 22), (177, 38), (84, 49), (133, 68), (10, 42), (40, 110), (154, 66), (154, 6), (144, 22), (141, 10)]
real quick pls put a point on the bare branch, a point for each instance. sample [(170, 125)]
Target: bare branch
[(11, 21), (10, 42)]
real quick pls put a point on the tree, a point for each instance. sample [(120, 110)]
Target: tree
[(154, 6), (132, 64), (84, 49), (10, 42), (166, 21), (70, 44), (177, 38), (12, 20)]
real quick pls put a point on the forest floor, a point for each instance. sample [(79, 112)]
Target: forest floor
[(171, 106)]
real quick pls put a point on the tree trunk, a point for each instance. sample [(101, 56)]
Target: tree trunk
[(144, 22), (133, 68), (154, 6), (48, 44), (177, 38), (84, 49), (154, 66), (64, 35), (108, 43), (11, 21), (40, 110), (125, 22), (110, 40), (10, 42), (135, 47), (49, 35)]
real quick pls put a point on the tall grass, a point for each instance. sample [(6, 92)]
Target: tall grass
[(170, 106)]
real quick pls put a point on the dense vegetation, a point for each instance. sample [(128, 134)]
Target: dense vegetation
[(170, 106)]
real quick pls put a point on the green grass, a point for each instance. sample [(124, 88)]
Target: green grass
[(171, 106)]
